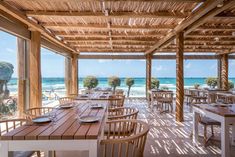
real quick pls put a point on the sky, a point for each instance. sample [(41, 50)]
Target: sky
[(53, 64)]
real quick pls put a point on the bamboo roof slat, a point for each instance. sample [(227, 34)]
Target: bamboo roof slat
[(129, 25)]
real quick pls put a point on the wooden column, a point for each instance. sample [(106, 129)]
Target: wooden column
[(71, 75), (224, 71), (21, 65), (35, 85), (219, 67), (148, 74), (67, 76), (74, 74), (180, 77)]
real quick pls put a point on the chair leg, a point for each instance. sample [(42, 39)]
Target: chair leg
[(212, 130), (38, 154), (205, 135)]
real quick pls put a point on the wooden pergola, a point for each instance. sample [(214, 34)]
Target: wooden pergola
[(74, 27)]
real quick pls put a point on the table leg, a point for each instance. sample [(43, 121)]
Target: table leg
[(233, 134), (225, 142), (4, 148), (93, 150), (195, 127)]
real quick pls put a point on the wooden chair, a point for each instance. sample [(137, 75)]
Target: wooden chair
[(117, 101), (66, 100), (37, 111), (165, 101), (205, 121), (8, 125), (122, 113), (122, 144)]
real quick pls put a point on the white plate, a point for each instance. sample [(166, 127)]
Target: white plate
[(69, 105), (42, 119), (89, 119), (96, 106)]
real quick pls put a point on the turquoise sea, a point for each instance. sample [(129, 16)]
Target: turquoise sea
[(138, 89)]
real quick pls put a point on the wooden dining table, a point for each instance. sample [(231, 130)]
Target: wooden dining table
[(96, 96), (66, 134), (225, 114)]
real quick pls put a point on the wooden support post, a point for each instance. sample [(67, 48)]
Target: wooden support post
[(224, 71), (74, 74), (148, 74), (180, 77), (67, 76), (219, 67), (21, 65), (35, 85), (71, 75)]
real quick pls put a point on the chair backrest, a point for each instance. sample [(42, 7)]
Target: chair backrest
[(122, 113), (65, 100), (117, 101), (38, 111), (117, 144), (11, 124), (119, 92)]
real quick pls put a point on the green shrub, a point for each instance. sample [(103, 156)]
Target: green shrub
[(155, 83), (230, 84), (90, 82), (164, 88), (211, 82), (129, 82), (196, 85), (114, 81)]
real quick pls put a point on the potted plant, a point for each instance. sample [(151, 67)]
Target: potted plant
[(90, 82), (211, 82), (155, 83), (129, 82), (114, 82)]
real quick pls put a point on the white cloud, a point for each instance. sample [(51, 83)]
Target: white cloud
[(232, 62), (102, 61), (9, 50), (158, 68), (188, 66), (213, 66)]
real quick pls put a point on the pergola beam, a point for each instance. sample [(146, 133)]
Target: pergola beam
[(179, 1), (104, 27), (111, 14), (203, 10)]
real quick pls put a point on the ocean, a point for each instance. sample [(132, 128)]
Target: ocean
[(137, 90)]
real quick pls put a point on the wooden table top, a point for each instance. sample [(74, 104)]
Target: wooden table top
[(228, 111), (67, 127)]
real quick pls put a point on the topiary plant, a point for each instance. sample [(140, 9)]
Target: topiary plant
[(129, 82), (230, 84), (114, 81), (211, 82), (196, 85), (155, 83), (90, 82), (164, 88)]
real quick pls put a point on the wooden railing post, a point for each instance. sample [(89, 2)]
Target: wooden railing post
[(224, 71), (148, 74), (35, 85), (180, 77), (71, 75)]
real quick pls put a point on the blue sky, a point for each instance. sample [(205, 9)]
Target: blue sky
[(53, 64)]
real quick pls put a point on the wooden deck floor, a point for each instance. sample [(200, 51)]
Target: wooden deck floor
[(170, 138), (167, 137)]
